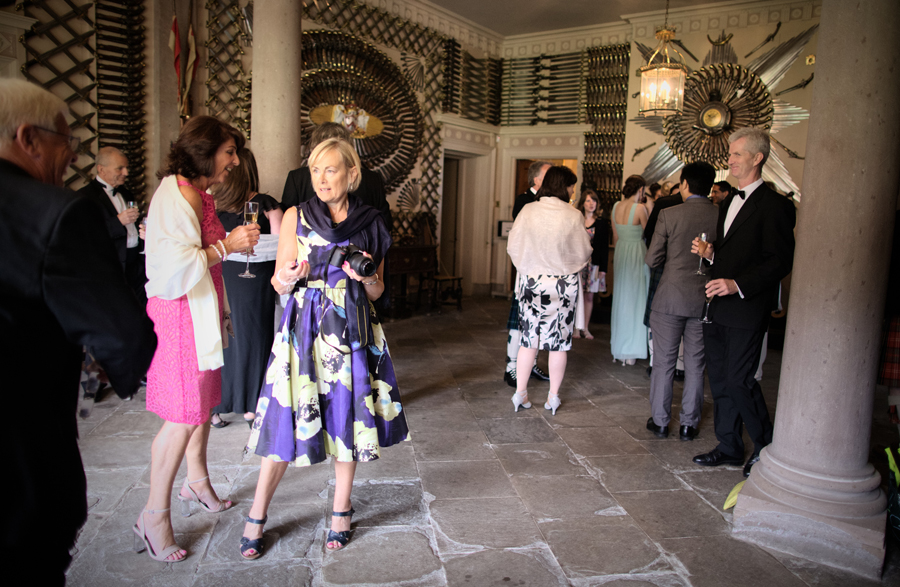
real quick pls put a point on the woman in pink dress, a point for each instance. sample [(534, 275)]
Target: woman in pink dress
[(185, 245)]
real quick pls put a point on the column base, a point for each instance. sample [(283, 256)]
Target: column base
[(851, 544)]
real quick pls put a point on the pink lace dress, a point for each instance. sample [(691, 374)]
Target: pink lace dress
[(177, 391)]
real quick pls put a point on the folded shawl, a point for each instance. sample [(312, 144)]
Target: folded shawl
[(177, 266), (548, 238)]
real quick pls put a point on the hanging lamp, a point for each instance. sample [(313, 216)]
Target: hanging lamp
[(662, 79)]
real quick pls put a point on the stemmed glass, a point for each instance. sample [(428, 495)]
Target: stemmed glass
[(251, 211), (705, 319), (701, 248)]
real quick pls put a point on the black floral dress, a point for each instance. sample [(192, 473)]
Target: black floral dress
[(547, 310)]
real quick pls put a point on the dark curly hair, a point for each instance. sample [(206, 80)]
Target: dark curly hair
[(632, 185), (193, 154), (556, 180)]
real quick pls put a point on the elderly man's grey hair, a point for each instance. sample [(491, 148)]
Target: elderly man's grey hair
[(757, 141), (106, 153), (23, 102), (534, 170)]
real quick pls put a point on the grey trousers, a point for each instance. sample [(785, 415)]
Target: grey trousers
[(668, 331)]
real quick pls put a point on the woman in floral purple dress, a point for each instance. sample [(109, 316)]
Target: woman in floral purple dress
[(330, 388)]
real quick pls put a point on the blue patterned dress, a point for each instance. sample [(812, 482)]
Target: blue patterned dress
[(319, 397)]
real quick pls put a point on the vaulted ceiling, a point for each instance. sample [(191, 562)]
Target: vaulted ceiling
[(517, 17)]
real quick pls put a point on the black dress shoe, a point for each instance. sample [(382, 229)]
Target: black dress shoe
[(658, 431), (679, 375), (714, 458), (687, 433), (753, 460), (536, 373), (510, 379)]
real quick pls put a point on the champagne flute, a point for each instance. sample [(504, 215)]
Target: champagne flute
[(705, 319), (701, 248), (251, 211)]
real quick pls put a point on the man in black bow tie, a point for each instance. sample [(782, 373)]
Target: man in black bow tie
[(120, 214), (752, 253)]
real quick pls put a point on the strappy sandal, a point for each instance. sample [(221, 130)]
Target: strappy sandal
[(255, 544), (341, 538), (187, 501), (141, 542)]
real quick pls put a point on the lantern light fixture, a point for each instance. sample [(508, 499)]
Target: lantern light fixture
[(662, 79)]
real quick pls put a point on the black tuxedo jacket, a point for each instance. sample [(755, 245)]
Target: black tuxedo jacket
[(526, 197), (298, 188), (117, 232), (757, 253), (61, 287)]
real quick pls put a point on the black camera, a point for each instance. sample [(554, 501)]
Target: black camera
[(353, 255)]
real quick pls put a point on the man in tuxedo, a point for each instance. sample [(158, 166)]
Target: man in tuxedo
[(61, 287), (298, 186), (110, 193), (679, 301), (752, 253), (536, 172), (720, 191)]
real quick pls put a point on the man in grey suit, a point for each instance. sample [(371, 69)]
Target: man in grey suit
[(679, 300)]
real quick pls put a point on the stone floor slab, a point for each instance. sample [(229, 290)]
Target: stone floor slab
[(606, 441), (590, 548), (485, 522), (402, 555), (672, 514), (465, 479), (519, 430), (713, 561), (544, 458), (563, 498), (260, 573), (503, 568), (452, 446), (633, 473)]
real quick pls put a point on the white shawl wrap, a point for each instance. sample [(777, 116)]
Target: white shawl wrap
[(177, 266), (548, 238)]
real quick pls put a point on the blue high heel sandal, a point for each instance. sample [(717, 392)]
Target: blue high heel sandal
[(341, 538)]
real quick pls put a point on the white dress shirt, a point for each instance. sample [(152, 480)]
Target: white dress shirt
[(737, 203), (119, 204)]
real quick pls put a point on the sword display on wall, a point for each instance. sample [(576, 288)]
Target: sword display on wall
[(767, 40), (640, 150), (791, 154), (798, 86)]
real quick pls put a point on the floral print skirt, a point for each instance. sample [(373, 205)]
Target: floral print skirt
[(547, 305)]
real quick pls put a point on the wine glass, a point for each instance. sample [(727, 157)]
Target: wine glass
[(702, 243), (251, 211), (705, 319)]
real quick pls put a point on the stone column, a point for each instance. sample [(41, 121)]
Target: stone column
[(275, 127), (813, 493)]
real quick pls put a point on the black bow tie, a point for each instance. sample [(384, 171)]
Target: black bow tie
[(741, 194)]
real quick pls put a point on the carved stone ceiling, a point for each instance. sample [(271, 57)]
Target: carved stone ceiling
[(517, 17)]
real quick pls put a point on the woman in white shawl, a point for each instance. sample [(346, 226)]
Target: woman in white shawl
[(185, 246), (549, 247)]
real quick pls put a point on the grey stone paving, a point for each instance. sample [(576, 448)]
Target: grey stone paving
[(480, 496)]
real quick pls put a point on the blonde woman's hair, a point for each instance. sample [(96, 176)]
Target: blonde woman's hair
[(348, 154)]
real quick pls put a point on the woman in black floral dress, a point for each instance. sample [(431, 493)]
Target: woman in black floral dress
[(549, 247)]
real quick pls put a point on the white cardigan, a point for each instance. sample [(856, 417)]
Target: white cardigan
[(177, 266)]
